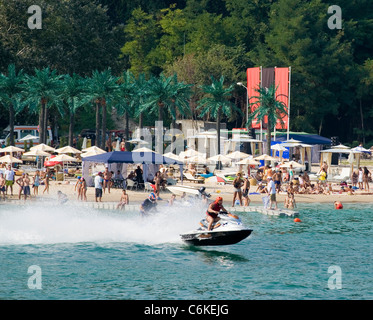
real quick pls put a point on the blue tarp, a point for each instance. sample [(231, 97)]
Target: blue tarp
[(304, 138), (131, 157)]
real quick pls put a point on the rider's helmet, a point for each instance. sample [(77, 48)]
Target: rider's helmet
[(218, 199)]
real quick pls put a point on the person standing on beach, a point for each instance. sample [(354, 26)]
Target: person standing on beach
[(366, 177), (46, 177), (36, 183), (237, 184), (271, 189), (83, 189), (20, 182), (26, 185), (9, 179), (98, 186), (107, 179), (245, 193)]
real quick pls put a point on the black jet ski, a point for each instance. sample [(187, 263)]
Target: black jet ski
[(228, 230)]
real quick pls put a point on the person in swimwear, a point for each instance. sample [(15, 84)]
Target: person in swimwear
[(213, 211)]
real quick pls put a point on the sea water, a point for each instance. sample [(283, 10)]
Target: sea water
[(50, 251)]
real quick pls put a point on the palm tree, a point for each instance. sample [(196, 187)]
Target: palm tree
[(42, 91), (267, 106), (167, 93), (170, 94), (140, 95), (216, 103), (72, 92), (127, 90), (10, 95), (103, 88)]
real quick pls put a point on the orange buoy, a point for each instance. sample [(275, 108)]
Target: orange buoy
[(297, 220)]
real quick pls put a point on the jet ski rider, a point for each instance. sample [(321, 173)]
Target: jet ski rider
[(213, 210), (149, 204)]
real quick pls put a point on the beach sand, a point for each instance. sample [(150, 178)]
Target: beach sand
[(226, 191)]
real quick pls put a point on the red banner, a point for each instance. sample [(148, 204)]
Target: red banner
[(253, 82), (282, 93)]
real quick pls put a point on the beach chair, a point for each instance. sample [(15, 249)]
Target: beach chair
[(132, 184), (343, 176), (149, 187), (189, 177)]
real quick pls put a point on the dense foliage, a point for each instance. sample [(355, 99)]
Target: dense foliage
[(332, 69)]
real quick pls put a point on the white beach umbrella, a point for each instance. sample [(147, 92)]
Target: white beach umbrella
[(12, 149), (29, 137), (172, 156), (266, 157), (196, 159), (68, 149), (10, 159), (91, 153), (42, 147), (143, 149), (93, 148), (294, 164), (139, 141), (37, 153), (219, 157), (248, 161), (237, 155), (64, 158)]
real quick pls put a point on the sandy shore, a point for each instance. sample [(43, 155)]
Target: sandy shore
[(226, 191)]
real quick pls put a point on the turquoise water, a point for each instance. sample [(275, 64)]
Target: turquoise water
[(90, 254)]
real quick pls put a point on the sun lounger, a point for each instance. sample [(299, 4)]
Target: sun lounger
[(189, 177), (343, 176)]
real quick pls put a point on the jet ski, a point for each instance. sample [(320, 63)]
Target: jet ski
[(228, 230)]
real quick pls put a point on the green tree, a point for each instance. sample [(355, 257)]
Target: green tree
[(269, 108), (10, 95), (141, 36), (74, 96), (216, 103), (102, 88), (41, 91)]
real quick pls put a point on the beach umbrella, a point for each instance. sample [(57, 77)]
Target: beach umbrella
[(12, 149), (67, 149), (29, 137), (237, 155), (266, 157), (196, 159), (64, 158), (37, 153), (43, 147), (144, 149), (248, 161), (340, 146), (190, 153), (172, 156), (361, 149), (93, 148), (139, 141), (92, 152), (291, 143), (294, 164), (219, 157), (214, 180), (10, 159)]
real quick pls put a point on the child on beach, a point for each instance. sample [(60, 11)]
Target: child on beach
[(2, 184)]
